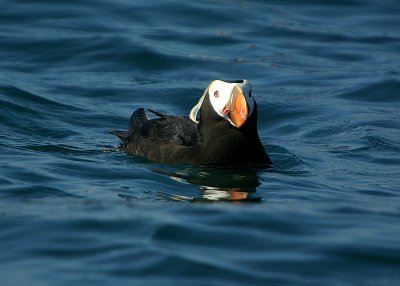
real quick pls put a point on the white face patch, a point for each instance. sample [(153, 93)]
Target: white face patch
[(222, 94)]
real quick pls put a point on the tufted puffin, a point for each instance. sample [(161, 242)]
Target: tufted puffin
[(221, 129)]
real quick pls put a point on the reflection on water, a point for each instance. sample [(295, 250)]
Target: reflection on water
[(226, 194), (215, 183)]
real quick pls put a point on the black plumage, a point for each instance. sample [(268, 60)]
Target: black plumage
[(179, 139)]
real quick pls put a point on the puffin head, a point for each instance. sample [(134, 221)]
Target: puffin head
[(231, 100)]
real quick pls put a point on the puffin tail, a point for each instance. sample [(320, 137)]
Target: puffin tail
[(123, 135)]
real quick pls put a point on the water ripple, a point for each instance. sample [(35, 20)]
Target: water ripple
[(326, 80)]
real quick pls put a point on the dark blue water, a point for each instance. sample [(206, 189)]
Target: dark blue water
[(74, 210)]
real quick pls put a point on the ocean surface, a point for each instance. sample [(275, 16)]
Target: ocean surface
[(75, 210)]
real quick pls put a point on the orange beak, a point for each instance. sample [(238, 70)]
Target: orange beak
[(239, 109)]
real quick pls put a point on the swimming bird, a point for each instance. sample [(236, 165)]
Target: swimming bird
[(221, 129)]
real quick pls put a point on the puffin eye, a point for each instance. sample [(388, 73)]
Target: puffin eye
[(216, 94)]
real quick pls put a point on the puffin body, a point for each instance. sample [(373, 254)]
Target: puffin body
[(224, 133)]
